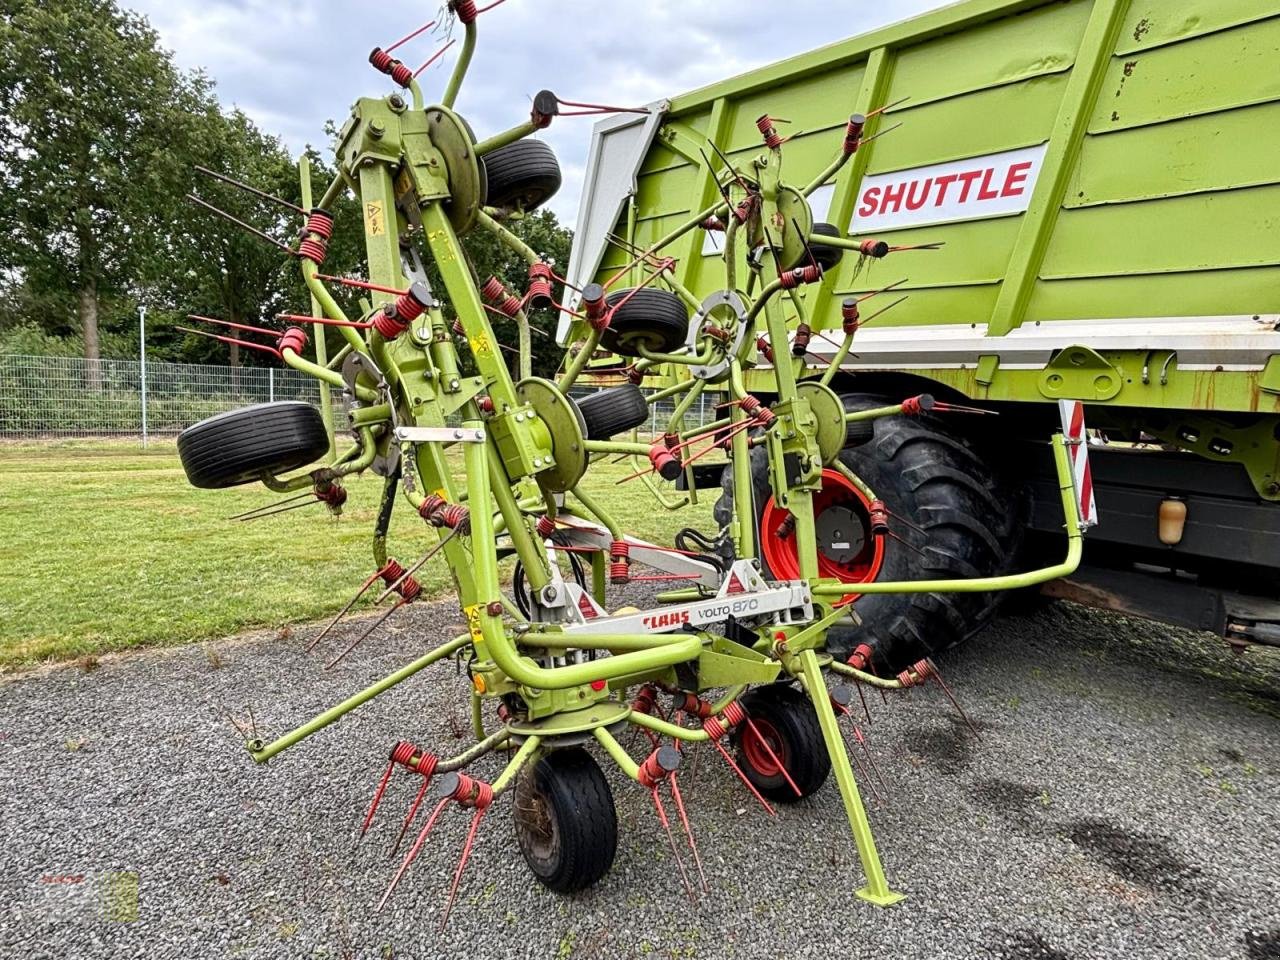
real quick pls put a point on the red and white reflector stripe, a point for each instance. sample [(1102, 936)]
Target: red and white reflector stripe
[(1076, 435)]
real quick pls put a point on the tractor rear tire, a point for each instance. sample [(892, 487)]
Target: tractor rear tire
[(565, 821), (613, 411), (524, 174), (240, 446), (785, 718), (929, 475), (658, 320)]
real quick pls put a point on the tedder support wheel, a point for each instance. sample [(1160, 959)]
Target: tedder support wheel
[(932, 478), (657, 320), (613, 411), (524, 174), (239, 446), (826, 256), (785, 719), (565, 822)]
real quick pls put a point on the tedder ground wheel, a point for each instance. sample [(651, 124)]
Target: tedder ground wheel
[(608, 413), (826, 256), (926, 473), (654, 319), (565, 822), (784, 718), (524, 174), (239, 446)]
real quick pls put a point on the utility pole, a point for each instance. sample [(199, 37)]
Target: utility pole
[(142, 367)]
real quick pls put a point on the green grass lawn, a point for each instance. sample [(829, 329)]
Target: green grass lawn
[(106, 546)]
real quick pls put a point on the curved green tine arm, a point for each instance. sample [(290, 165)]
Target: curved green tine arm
[(486, 744), (262, 753), (602, 516), (689, 734), (356, 459), (837, 361), (831, 170), (459, 68), (506, 236), (617, 752), (859, 484), (331, 377), (577, 364), (884, 683), (688, 359), (528, 750), (505, 138), (330, 306), (666, 393)]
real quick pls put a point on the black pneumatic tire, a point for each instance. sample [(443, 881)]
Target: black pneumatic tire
[(565, 821), (786, 719), (658, 320), (827, 256), (523, 175), (613, 411), (930, 474), (239, 446)]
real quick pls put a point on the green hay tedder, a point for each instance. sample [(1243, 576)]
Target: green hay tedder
[(862, 523)]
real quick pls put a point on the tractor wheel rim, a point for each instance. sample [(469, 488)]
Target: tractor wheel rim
[(783, 557)]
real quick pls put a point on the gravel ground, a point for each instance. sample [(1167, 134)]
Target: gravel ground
[(1122, 801)]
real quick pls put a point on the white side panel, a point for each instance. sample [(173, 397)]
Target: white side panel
[(618, 148)]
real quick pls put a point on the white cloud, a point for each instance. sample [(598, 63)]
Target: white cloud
[(293, 66)]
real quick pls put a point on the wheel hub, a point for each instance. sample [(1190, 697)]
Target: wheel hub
[(841, 534)]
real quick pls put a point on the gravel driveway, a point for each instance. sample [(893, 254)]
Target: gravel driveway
[(1123, 801)]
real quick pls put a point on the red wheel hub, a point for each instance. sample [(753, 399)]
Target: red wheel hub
[(755, 753), (836, 507)]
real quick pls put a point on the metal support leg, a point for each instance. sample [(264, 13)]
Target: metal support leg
[(877, 889)]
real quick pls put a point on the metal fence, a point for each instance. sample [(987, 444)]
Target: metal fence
[(53, 397), (74, 397)]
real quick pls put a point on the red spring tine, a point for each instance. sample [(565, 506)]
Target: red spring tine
[(866, 775), (862, 741), (405, 39), (743, 777), (417, 566), (773, 756), (377, 798), (373, 578), (413, 851), (462, 863), (240, 223), (433, 58), (688, 832), (863, 697), (362, 284), (235, 326), (675, 850), (360, 639), (325, 321), (409, 817), (239, 343), (950, 696)]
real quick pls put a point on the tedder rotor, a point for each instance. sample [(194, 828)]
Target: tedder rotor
[(493, 463)]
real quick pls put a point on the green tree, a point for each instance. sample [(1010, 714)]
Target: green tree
[(94, 118)]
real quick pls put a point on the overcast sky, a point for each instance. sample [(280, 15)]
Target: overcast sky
[(291, 66)]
